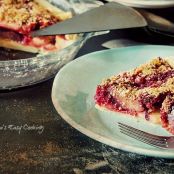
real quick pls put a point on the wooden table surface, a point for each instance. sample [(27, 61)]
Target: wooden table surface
[(35, 139)]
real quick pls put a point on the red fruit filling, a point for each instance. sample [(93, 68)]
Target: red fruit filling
[(104, 98)]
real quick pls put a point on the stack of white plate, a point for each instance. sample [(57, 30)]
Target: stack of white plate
[(147, 3)]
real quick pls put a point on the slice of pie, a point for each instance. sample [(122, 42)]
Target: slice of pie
[(18, 18), (147, 90)]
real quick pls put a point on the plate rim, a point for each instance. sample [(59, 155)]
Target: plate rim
[(125, 147), (144, 4)]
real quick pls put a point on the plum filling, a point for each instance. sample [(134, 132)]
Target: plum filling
[(150, 102), (104, 98), (153, 80), (46, 42), (167, 113), (12, 35)]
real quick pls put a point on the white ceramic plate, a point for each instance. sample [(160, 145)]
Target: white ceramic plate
[(147, 3), (73, 97)]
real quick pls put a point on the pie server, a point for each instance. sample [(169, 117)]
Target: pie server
[(158, 24), (106, 17)]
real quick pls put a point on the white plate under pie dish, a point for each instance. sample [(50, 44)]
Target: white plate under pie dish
[(74, 89), (147, 3)]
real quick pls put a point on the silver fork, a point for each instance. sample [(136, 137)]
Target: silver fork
[(165, 142)]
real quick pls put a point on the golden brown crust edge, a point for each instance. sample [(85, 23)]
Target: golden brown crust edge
[(170, 61), (60, 44), (154, 116), (7, 43)]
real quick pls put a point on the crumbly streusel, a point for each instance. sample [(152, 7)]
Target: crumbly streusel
[(25, 15)]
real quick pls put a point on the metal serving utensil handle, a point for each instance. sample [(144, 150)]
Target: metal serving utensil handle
[(157, 23)]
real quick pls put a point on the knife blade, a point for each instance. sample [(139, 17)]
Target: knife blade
[(106, 17)]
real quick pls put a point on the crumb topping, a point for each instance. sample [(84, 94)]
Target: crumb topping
[(157, 65), (153, 78), (25, 15), (167, 87)]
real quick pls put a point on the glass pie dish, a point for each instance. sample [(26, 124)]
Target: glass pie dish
[(19, 69)]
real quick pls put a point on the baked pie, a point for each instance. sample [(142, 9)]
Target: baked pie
[(18, 18), (146, 91)]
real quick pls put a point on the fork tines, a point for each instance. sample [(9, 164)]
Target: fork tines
[(142, 136)]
